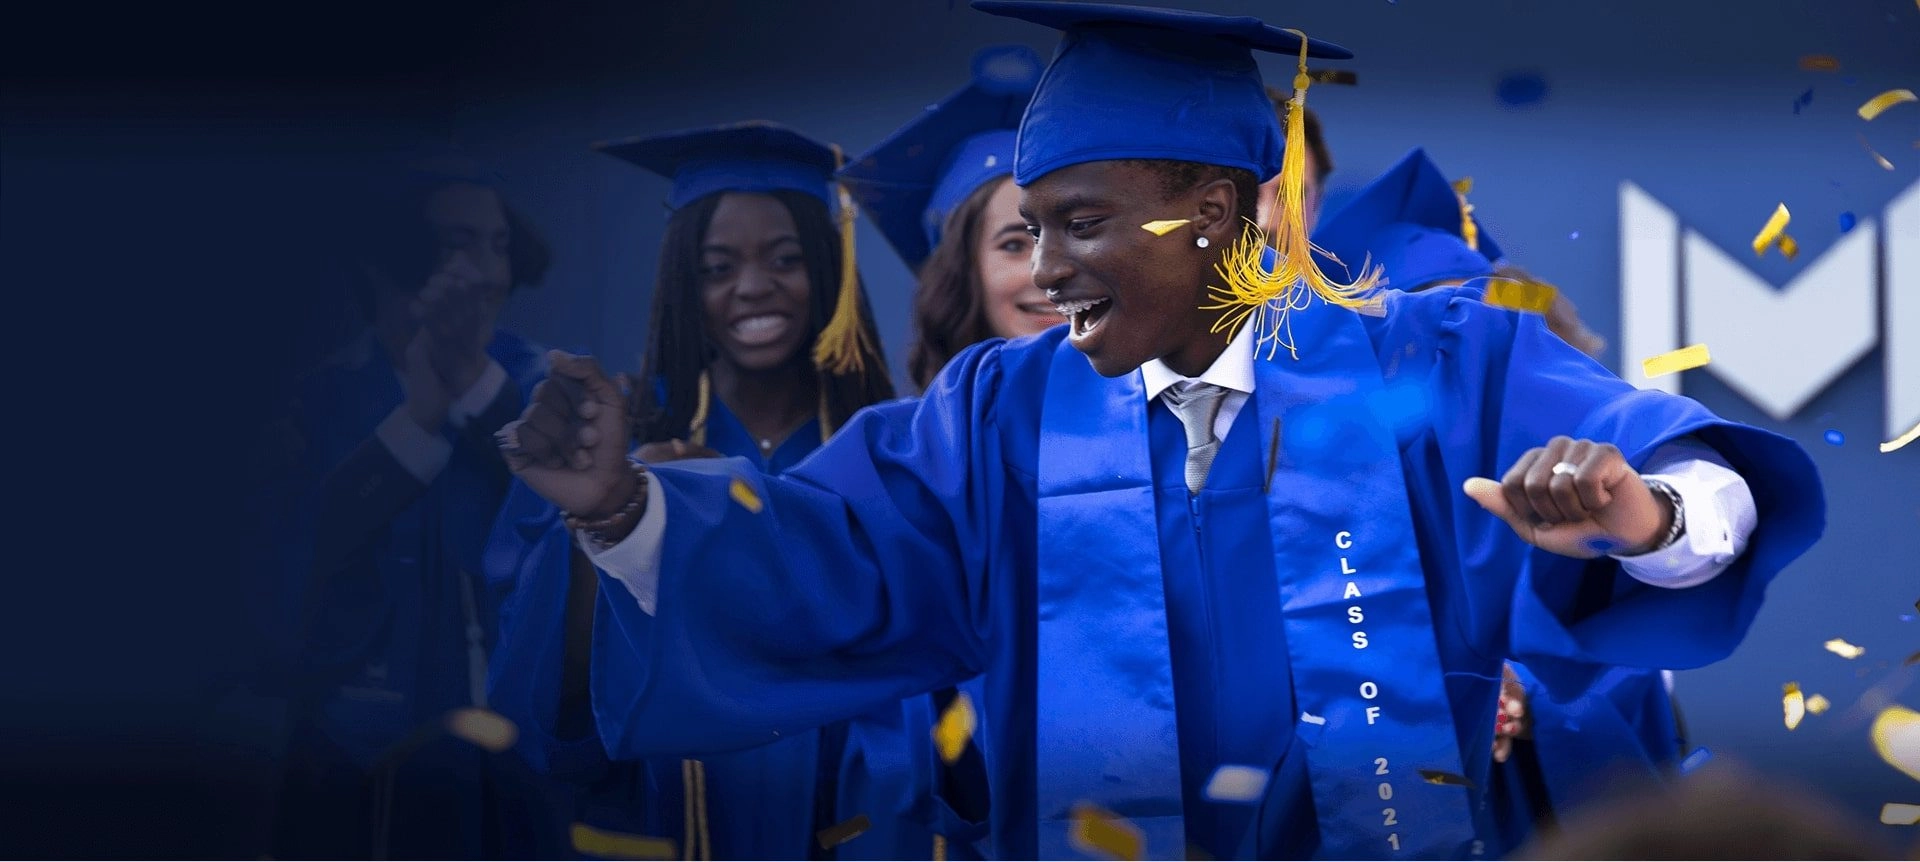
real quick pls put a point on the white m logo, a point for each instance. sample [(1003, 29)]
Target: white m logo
[(1779, 348)]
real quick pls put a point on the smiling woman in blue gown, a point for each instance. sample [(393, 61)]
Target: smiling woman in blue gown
[(751, 277)]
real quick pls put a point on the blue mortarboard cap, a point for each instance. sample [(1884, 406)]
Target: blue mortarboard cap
[(1408, 221), (910, 182), (1130, 82), (755, 156)]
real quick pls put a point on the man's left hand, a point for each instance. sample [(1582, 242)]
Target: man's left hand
[(1577, 498)]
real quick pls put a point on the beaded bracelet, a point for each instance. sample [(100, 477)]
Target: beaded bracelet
[(597, 530)]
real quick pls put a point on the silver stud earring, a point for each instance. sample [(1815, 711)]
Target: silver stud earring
[(1201, 241)]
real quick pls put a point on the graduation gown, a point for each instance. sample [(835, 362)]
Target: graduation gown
[(388, 623), (906, 554), (1622, 726), (764, 802)]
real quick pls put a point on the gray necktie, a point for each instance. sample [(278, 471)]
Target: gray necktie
[(1197, 404)]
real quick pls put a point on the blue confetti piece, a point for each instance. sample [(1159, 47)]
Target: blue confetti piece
[(1602, 545), (1694, 761), (1835, 438), (1805, 99), (1847, 221), (1574, 235), (1906, 618), (1521, 89)]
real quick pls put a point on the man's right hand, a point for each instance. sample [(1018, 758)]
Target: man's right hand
[(570, 445)]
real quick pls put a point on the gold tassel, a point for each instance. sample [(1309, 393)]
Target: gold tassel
[(1468, 229), (1268, 298), (697, 429), (842, 347)]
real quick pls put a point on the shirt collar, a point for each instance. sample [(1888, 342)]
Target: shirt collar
[(1232, 370)]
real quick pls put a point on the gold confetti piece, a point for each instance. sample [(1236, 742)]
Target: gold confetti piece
[(1771, 232), (1888, 99), (1789, 247), (1435, 776), (1896, 443), (1530, 296), (1896, 736), (955, 728), (483, 727), (1795, 704), (1165, 226), (619, 845), (1674, 361), (840, 833), (1818, 704), (1097, 830), (1899, 814), (1840, 647), (1237, 784), (1880, 159), (744, 495), (1819, 63)]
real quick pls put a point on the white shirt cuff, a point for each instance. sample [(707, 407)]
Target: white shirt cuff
[(635, 561), (476, 399), (423, 455), (1720, 513)]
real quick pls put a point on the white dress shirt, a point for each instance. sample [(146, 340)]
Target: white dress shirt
[(1720, 511)]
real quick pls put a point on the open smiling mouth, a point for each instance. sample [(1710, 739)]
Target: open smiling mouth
[(760, 329), (1086, 315)]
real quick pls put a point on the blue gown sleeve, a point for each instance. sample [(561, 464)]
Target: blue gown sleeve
[(526, 563), (1624, 720), (861, 581), (1506, 384)]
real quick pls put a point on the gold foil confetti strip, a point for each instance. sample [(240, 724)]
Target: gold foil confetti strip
[(1900, 814), (1818, 704), (1896, 737), (1774, 233), (616, 845), (1097, 830), (1675, 361), (1819, 63), (744, 495), (1795, 705), (1435, 776), (955, 728), (1896, 443), (1840, 647), (842, 832), (1243, 784), (483, 727), (1874, 106), (1529, 296), (1165, 226)]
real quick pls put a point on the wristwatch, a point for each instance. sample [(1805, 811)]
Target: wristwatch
[(1679, 527)]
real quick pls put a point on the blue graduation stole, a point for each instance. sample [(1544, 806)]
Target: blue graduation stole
[(1366, 667)]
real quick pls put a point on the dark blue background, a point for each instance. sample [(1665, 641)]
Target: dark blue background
[(167, 207)]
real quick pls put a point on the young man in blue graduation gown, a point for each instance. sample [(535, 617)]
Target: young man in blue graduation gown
[(1410, 222), (397, 481), (1166, 551)]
